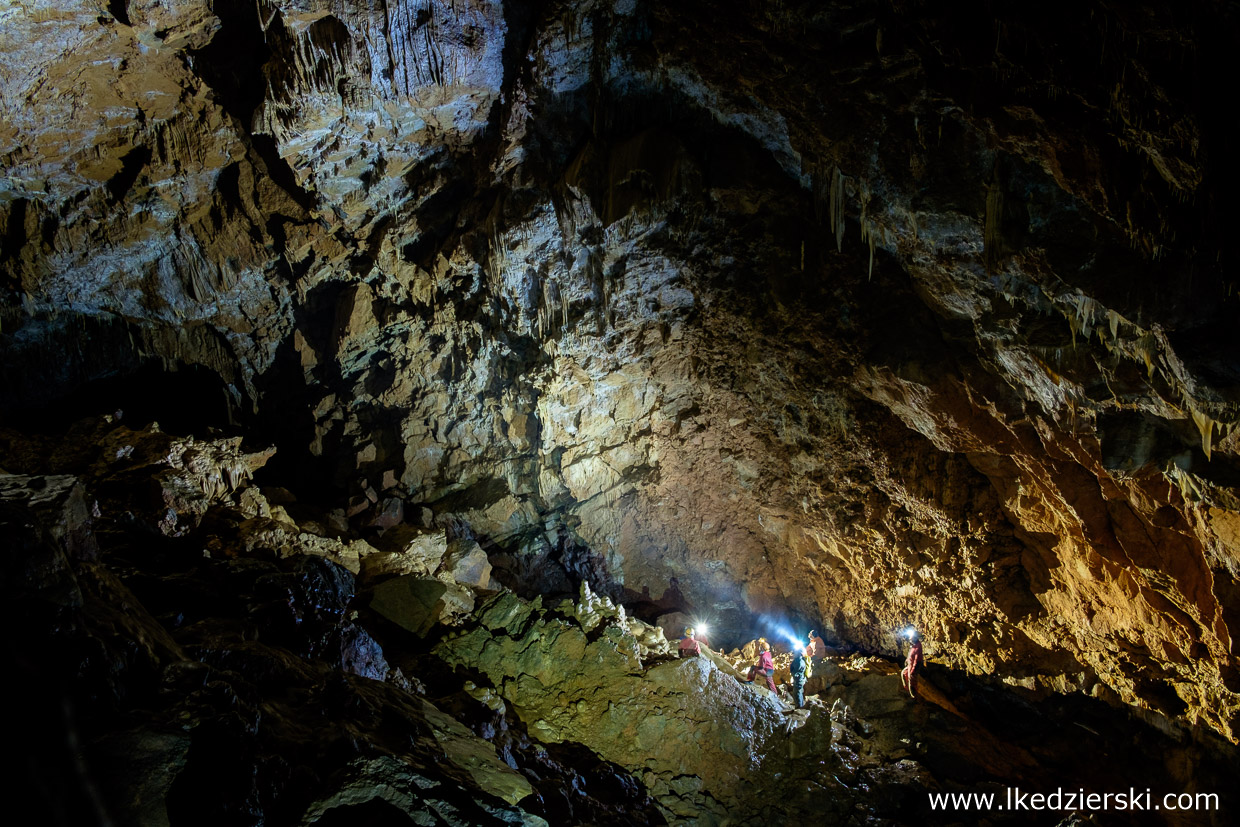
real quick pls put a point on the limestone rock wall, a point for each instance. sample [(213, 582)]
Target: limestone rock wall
[(827, 312)]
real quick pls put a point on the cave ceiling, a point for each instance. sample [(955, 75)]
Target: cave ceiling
[(861, 314)]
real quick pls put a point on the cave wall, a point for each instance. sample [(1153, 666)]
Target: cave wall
[(863, 314)]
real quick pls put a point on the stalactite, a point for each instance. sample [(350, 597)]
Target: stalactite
[(867, 228), (835, 205), (599, 289), (867, 236), (994, 214), (1147, 347), (1184, 482), (264, 25), (552, 307), (496, 251), (1084, 312), (434, 55), (1206, 426)]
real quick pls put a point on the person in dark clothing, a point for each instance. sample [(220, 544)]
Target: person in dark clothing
[(916, 660), (798, 677)]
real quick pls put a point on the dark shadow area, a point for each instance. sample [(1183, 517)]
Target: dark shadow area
[(188, 399), (55, 370), (132, 165), (1133, 441), (120, 10), (373, 813), (1079, 743), (552, 570), (231, 64)]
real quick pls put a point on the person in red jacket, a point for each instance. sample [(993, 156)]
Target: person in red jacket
[(916, 660), (765, 666), (689, 647)]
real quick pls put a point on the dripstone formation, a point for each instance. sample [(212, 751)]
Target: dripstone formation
[(360, 362)]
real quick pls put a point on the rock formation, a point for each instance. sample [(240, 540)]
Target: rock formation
[(850, 315), (217, 667), (164, 683)]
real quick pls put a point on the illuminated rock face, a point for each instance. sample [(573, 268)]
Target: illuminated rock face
[(852, 315)]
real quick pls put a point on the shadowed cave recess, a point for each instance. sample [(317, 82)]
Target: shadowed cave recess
[(384, 387)]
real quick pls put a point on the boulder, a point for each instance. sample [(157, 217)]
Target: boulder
[(405, 549), (138, 769), (391, 512), (467, 564), (287, 540), (386, 790), (411, 602)]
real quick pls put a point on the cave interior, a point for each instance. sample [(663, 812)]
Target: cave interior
[(385, 387)]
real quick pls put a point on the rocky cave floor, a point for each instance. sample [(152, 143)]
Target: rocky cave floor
[(190, 646)]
